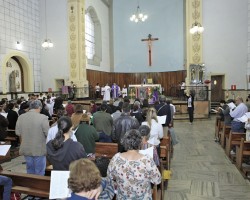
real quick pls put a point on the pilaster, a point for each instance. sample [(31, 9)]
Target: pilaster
[(193, 41), (76, 52)]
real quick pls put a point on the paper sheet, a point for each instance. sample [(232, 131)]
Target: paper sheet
[(231, 105), (59, 185), (162, 119), (149, 151), (4, 149), (245, 117)]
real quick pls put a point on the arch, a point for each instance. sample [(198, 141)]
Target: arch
[(98, 37), (28, 83)]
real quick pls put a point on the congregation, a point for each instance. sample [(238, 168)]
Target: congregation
[(51, 133)]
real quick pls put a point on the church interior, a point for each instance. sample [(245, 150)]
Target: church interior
[(191, 55)]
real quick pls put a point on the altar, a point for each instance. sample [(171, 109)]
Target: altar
[(144, 91)]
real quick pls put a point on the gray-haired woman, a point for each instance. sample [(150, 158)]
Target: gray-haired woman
[(132, 171)]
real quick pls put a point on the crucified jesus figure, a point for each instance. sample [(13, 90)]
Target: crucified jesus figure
[(149, 40)]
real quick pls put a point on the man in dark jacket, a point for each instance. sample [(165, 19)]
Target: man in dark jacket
[(164, 109), (122, 124)]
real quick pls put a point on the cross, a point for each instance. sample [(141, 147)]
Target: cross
[(149, 40)]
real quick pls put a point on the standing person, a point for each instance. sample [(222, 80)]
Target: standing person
[(97, 91), (87, 135), (93, 107), (103, 123), (133, 172), (69, 108), (123, 124), (33, 127), (3, 127), (106, 95), (156, 130), (164, 109), (115, 91), (62, 150), (124, 91), (12, 116), (190, 105)]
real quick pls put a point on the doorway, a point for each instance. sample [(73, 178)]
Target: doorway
[(217, 93)]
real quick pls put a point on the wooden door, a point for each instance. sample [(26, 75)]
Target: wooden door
[(217, 92)]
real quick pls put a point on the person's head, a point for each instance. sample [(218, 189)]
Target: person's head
[(36, 105), (78, 108), (64, 125), (135, 107), (69, 102), (118, 109), (111, 102), (120, 104), (145, 133), (222, 102), (84, 176), (61, 112), (85, 118), (145, 103), (97, 84), (131, 140), (238, 100), (103, 107), (162, 99), (151, 114), (102, 164), (92, 103), (11, 106), (126, 107), (126, 99)]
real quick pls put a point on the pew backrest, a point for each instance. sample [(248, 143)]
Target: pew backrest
[(106, 149)]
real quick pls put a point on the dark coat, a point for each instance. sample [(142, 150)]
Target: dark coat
[(3, 127), (164, 109)]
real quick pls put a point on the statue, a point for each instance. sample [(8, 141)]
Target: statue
[(192, 75), (201, 75), (12, 81)]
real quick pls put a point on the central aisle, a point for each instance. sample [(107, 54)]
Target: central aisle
[(200, 168)]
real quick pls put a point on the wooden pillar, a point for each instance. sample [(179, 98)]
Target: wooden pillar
[(76, 52), (193, 41)]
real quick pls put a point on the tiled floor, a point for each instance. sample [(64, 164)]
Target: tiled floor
[(200, 168)]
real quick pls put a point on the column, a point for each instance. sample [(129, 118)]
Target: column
[(193, 41), (76, 52)]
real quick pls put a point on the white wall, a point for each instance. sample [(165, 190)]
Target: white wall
[(54, 62), (19, 21), (225, 40), (102, 12)]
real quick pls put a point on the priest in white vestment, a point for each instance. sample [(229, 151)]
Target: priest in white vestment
[(106, 96), (124, 91)]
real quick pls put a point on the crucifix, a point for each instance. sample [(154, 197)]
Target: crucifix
[(149, 40)]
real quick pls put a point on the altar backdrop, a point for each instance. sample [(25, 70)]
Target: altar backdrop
[(165, 21)]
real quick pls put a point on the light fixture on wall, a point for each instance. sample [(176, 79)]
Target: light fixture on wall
[(196, 28), (138, 16), (18, 45), (47, 42)]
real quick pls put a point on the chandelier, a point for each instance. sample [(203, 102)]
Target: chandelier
[(138, 16), (47, 42), (196, 28)]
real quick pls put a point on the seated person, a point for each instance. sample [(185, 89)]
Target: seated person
[(145, 134), (62, 150), (86, 134), (86, 183), (133, 172)]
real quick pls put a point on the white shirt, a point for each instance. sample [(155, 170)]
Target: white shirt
[(156, 132), (52, 134)]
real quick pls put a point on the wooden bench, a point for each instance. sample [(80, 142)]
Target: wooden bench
[(233, 140), (30, 184), (106, 149), (225, 132), (243, 150)]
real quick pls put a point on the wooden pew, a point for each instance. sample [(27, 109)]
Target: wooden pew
[(106, 149), (233, 140), (243, 150), (225, 132), (30, 184)]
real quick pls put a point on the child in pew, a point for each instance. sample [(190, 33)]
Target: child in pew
[(86, 183), (145, 134)]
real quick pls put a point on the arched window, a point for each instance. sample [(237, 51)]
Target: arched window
[(93, 37), (89, 36)]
